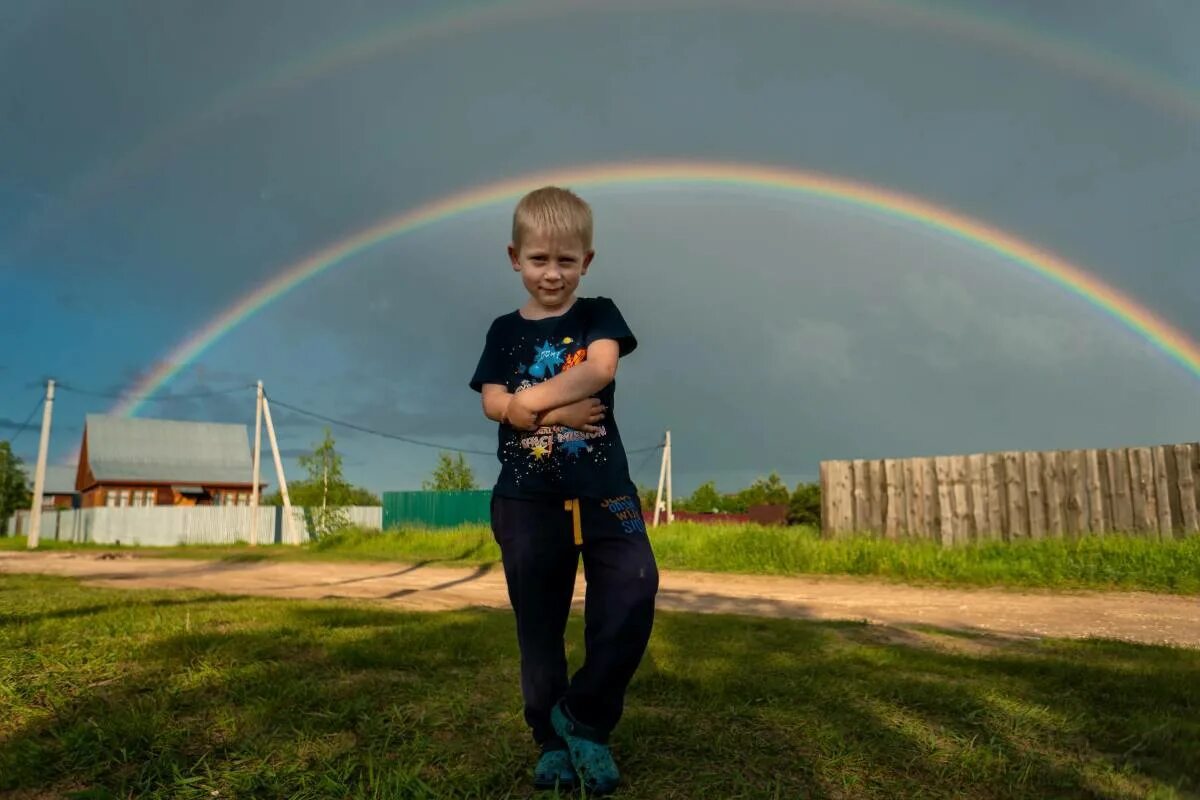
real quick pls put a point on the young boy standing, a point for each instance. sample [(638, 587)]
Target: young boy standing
[(547, 376)]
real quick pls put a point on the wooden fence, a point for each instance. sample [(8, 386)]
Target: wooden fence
[(1010, 496)]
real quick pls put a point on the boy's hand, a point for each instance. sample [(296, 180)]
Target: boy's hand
[(581, 415), (521, 416)]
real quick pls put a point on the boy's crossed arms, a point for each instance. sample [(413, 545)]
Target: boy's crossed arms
[(566, 399)]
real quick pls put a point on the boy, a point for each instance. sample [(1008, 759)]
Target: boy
[(547, 376)]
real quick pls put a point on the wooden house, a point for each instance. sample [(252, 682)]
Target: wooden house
[(156, 462), (58, 488)]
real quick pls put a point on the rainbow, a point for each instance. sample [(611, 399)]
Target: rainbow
[(1072, 278), (1120, 75)]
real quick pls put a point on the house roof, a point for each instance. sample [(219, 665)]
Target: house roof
[(167, 451), (59, 480)]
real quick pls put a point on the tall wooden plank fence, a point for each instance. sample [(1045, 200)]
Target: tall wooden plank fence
[(1009, 496)]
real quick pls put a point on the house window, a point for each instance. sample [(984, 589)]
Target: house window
[(124, 501), (243, 498), (110, 498)]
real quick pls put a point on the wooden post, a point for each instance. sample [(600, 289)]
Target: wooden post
[(289, 524), (1194, 455), (945, 500), (39, 478), (1075, 498), (862, 500), (878, 497), (1162, 492), (996, 503), (1119, 487), (1098, 510), (929, 498), (841, 505), (258, 413), (1036, 498), (914, 514), (1017, 498), (1187, 489), (662, 477), (1141, 484), (977, 484), (894, 486), (1052, 474), (962, 501), (826, 497)]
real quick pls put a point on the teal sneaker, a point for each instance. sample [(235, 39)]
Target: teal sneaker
[(590, 755), (554, 771)]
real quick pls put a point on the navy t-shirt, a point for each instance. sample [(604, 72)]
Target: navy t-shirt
[(556, 461)]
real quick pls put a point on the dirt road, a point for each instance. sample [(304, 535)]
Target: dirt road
[(1133, 616)]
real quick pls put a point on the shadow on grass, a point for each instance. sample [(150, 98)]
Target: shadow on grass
[(479, 572), (474, 575), (300, 699), (75, 612)]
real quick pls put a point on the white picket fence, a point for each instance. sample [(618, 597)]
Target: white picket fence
[(175, 525)]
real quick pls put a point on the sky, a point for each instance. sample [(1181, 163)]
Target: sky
[(164, 159)]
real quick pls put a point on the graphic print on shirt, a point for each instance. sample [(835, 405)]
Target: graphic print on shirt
[(548, 357), (541, 444)]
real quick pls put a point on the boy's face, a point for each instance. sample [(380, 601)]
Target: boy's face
[(550, 266)]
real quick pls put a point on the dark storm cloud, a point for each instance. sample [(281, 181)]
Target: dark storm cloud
[(776, 331)]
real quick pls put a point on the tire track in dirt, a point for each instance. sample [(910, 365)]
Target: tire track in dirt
[(1132, 616)]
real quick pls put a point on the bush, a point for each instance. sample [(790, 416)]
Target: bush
[(804, 508)]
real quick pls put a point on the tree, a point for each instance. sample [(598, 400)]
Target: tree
[(14, 486), (704, 500), (325, 491), (647, 495), (805, 505), (324, 467), (764, 491), (451, 475), (304, 493), (325, 483)]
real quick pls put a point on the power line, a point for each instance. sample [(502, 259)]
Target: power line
[(649, 455), (406, 439), (25, 424), (306, 412), (374, 432), (110, 396)]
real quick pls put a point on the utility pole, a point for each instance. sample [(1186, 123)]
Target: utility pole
[(289, 524), (39, 480), (664, 481), (670, 489), (258, 413)]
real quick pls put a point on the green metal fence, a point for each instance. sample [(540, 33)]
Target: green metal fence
[(436, 509)]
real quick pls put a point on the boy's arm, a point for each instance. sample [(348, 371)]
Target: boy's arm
[(597, 371), (497, 401), (495, 407)]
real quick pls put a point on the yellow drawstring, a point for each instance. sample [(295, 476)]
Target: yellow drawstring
[(573, 507)]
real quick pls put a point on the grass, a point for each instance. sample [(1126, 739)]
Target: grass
[(153, 694), (1107, 562)]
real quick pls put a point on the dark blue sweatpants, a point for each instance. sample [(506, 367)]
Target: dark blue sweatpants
[(540, 555)]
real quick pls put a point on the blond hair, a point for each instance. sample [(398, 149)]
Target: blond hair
[(555, 211)]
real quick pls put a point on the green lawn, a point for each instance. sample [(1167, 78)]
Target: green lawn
[(1109, 562), (152, 694)]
